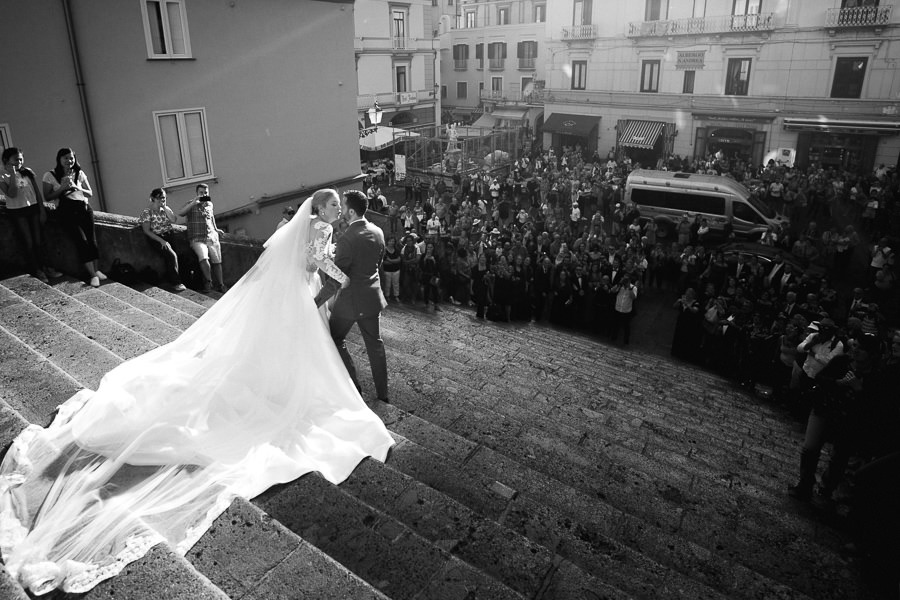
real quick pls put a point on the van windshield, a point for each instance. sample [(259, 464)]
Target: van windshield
[(763, 208)]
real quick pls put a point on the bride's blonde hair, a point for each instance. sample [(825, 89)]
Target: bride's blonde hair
[(321, 197)]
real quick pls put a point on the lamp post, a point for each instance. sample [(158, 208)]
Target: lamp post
[(374, 114)]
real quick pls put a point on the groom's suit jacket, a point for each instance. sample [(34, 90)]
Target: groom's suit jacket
[(359, 253)]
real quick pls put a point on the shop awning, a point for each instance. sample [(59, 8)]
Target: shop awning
[(827, 125), (641, 134), (486, 121), (580, 125), (383, 137), (510, 114)]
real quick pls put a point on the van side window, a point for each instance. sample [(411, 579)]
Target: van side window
[(692, 203), (745, 213)]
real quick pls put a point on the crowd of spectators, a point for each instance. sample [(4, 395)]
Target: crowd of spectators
[(553, 239)]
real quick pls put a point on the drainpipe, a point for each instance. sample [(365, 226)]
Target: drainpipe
[(85, 109)]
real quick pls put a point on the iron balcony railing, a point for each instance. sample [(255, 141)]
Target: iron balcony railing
[(402, 43), (527, 64), (859, 16), (460, 64), (497, 64), (579, 32), (702, 25), (385, 99)]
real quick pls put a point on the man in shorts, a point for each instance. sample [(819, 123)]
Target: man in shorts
[(203, 235)]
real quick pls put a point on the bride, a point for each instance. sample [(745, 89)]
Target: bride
[(253, 394)]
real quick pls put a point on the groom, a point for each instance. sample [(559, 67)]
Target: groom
[(359, 253)]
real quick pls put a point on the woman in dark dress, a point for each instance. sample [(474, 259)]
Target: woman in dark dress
[(480, 284), (521, 303), (503, 290), (686, 341), (561, 307)]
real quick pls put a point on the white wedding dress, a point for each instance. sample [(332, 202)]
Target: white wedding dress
[(253, 394)]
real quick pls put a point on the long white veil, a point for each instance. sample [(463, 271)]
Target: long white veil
[(254, 393)]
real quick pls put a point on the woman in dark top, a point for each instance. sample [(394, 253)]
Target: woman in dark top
[(686, 341)]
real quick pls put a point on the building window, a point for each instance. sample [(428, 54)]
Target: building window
[(745, 7), (480, 89), (849, 73), (497, 55), (460, 56), (502, 15), (688, 87), (496, 87), (401, 78), (443, 92), (399, 35), (5, 136), (540, 13), (479, 55), (738, 77), (579, 74), (462, 90), (526, 52), (656, 10), (582, 12), (183, 145), (165, 29), (470, 19), (650, 76), (699, 8)]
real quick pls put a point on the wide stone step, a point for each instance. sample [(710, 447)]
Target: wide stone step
[(580, 527), (573, 361)]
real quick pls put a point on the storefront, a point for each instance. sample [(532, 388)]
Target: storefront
[(572, 130), (739, 138), (844, 144)]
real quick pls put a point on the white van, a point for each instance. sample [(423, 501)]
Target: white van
[(666, 196)]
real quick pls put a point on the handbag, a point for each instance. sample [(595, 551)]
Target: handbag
[(123, 272)]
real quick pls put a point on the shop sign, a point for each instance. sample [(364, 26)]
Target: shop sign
[(690, 60)]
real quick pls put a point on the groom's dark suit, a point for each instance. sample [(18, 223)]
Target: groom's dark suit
[(359, 252)]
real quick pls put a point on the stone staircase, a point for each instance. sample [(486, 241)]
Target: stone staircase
[(530, 464)]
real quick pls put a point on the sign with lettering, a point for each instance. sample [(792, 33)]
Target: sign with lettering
[(690, 60), (407, 97)]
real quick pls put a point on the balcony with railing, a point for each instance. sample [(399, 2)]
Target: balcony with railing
[(394, 99), (579, 32), (527, 64), (858, 16), (460, 64), (382, 44), (402, 43), (514, 95), (703, 25), (497, 64)]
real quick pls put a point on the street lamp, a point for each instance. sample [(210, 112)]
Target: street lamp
[(375, 114)]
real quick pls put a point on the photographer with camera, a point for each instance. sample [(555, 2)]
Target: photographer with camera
[(203, 235)]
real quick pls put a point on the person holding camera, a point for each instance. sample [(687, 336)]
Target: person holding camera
[(68, 184), (156, 222), (203, 234), (25, 207)]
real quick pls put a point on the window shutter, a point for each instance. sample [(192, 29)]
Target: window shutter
[(466, 51), (491, 51), (503, 49), (479, 51), (520, 50)]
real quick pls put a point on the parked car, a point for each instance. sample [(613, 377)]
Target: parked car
[(766, 255)]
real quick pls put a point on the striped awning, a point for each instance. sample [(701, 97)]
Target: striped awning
[(641, 134)]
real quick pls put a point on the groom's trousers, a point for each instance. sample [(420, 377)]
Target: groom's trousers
[(370, 328)]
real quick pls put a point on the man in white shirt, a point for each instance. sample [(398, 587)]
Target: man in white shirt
[(626, 293)]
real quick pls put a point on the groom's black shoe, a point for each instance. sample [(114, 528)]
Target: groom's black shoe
[(385, 400)]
